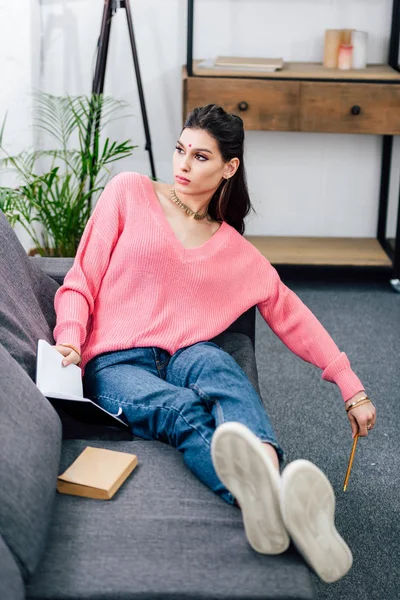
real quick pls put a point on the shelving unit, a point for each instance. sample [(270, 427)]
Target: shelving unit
[(319, 251), (309, 98), (306, 70)]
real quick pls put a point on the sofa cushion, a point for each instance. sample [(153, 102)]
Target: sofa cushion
[(26, 301), (240, 347), (54, 267), (11, 583), (30, 434), (163, 535)]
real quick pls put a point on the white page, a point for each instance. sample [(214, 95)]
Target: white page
[(56, 381), (52, 377)]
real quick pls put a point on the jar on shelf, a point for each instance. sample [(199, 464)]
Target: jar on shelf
[(345, 56), (331, 48), (359, 41)]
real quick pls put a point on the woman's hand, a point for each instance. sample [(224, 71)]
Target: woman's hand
[(362, 418), (71, 357)]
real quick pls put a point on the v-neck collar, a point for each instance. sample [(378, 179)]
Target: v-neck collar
[(208, 248)]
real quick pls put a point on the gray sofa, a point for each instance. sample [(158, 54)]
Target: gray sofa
[(164, 535)]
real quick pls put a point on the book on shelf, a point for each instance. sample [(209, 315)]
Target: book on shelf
[(255, 63), (241, 63), (97, 473), (63, 387)]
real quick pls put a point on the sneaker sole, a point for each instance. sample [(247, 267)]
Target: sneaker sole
[(246, 471), (308, 511)]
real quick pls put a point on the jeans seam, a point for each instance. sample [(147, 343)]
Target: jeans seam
[(162, 365), (220, 411), (124, 403), (118, 401), (179, 375), (186, 421), (199, 391)]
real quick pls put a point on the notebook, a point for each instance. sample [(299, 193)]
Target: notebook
[(63, 386), (97, 473), (243, 63)]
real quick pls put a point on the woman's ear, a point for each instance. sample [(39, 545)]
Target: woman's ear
[(231, 167)]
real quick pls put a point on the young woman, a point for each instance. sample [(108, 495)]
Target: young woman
[(162, 269)]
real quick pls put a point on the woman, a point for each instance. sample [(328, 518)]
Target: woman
[(162, 269)]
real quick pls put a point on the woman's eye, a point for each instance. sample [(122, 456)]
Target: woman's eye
[(199, 157)]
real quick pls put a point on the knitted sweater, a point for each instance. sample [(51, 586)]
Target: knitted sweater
[(133, 284)]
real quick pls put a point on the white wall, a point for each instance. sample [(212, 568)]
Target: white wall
[(19, 69), (301, 184)]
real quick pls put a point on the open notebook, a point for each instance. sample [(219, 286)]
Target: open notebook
[(64, 388)]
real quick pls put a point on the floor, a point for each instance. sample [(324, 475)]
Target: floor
[(362, 314)]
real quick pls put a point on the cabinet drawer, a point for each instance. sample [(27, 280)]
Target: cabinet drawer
[(265, 105), (350, 108)]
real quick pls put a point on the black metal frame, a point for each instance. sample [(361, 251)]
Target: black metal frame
[(110, 7), (387, 141)]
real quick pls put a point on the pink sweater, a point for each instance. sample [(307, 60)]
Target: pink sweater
[(133, 284)]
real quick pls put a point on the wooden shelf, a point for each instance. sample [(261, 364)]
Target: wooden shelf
[(316, 105), (366, 252), (306, 70)]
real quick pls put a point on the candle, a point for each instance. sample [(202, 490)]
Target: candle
[(359, 41), (345, 36), (331, 48), (345, 56)]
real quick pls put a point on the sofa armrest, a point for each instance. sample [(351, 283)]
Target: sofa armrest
[(246, 324), (56, 268)]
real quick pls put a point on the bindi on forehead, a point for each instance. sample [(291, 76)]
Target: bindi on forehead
[(197, 149)]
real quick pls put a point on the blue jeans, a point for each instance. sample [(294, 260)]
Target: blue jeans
[(179, 399)]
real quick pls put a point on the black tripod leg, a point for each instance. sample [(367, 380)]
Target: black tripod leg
[(140, 87), (101, 62), (97, 89)]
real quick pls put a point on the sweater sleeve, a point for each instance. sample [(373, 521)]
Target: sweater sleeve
[(75, 298), (299, 329)]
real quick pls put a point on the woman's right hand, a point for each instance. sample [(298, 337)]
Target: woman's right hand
[(71, 357)]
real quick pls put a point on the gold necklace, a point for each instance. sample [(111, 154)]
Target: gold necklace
[(184, 207)]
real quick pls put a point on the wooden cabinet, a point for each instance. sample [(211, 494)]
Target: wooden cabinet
[(350, 108), (289, 105), (266, 105)]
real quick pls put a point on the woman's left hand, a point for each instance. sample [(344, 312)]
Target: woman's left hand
[(362, 418)]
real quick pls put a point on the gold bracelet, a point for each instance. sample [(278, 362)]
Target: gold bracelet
[(72, 348), (356, 402), (357, 405)]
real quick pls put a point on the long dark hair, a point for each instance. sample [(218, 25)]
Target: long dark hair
[(230, 202)]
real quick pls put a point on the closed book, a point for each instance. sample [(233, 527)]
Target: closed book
[(241, 62), (97, 473)]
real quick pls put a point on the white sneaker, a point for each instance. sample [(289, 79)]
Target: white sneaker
[(244, 467), (308, 511)]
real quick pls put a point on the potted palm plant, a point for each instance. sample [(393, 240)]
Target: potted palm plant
[(57, 186)]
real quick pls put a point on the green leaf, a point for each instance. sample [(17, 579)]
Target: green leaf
[(56, 185)]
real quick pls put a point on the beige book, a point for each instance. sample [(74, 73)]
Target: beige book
[(241, 62), (97, 473)]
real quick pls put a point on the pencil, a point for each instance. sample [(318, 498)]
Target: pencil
[(353, 450)]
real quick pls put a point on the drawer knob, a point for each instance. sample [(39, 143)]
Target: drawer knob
[(243, 106), (355, 110)]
